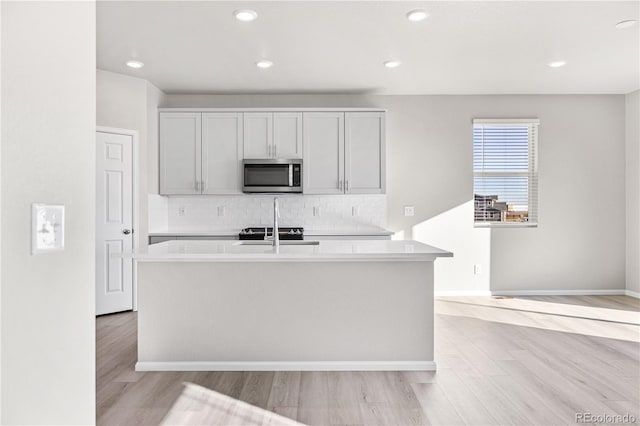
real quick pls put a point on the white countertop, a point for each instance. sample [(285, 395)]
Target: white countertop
[(311, 232), (340, 250)]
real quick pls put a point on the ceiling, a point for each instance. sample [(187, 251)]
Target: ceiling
[(463, 47)]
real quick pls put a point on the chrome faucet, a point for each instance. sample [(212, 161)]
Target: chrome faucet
[(275, 236)]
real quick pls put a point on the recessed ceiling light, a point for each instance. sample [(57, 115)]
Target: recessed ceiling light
[(264, 64), (557, 64), (392, 64), (134, 64), (417, 15), (626, 24), (245, 15)]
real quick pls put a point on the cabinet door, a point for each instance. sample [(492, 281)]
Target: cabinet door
[(221, 153), (180, 137), (323, 148), (364, 153), (287, 135), (258, 134)]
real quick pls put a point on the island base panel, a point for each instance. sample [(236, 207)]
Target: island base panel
[(285, 316)]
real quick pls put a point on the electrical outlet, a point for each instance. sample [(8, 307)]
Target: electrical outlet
[(477, 269), (182, 211), (316, 210), (355, 211), (409, 210), (220, 210)]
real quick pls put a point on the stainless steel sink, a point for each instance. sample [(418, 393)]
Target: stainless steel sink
[(282, 243)]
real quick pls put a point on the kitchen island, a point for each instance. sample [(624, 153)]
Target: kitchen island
[(334, 305)]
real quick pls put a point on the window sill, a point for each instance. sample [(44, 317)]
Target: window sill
[(505, 225)]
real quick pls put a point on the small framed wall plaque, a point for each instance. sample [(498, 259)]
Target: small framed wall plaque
[(47, 228)]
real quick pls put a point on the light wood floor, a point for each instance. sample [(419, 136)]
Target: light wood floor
[(535, 360)]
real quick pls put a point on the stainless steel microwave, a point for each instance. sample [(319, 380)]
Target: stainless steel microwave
[(269, 175)]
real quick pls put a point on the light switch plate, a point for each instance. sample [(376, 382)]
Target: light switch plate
[(47, 228), (409, 210)]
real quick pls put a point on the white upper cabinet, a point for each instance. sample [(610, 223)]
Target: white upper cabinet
[(364, 153), (200, 153), (344, 153), (258, 134), (323, 147), (287, 135), (221, 153), (180, 166), (272, 135)]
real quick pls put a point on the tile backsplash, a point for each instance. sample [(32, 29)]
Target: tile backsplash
[(319, 212)]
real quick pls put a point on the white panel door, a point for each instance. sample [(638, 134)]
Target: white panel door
[(221, 153), (114, 222), (180, 137), (323, 148), (364, 153), (258, 135), (287, 135)]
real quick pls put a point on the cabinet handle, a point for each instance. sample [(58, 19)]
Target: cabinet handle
[(268, 150), (197, 186), (203, 186), (340, 184), (275, 150), (346, 185)]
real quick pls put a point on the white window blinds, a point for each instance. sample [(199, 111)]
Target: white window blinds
[(505, 172)]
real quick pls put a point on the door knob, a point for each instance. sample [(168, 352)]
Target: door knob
[(126, 231)]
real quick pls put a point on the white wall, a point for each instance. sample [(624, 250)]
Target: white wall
[(580, 242), (155, 97), (48, 155), (581, 164), (632, 138), (131, 103)]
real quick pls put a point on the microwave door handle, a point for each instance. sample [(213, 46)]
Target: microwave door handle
[(290, 175)]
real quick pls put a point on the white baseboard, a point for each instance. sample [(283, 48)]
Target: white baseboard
[(462, 293), (288, 366), (632, 294), (558, 293), (537, 293)]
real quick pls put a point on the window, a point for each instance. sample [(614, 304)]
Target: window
[(505, 172)]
